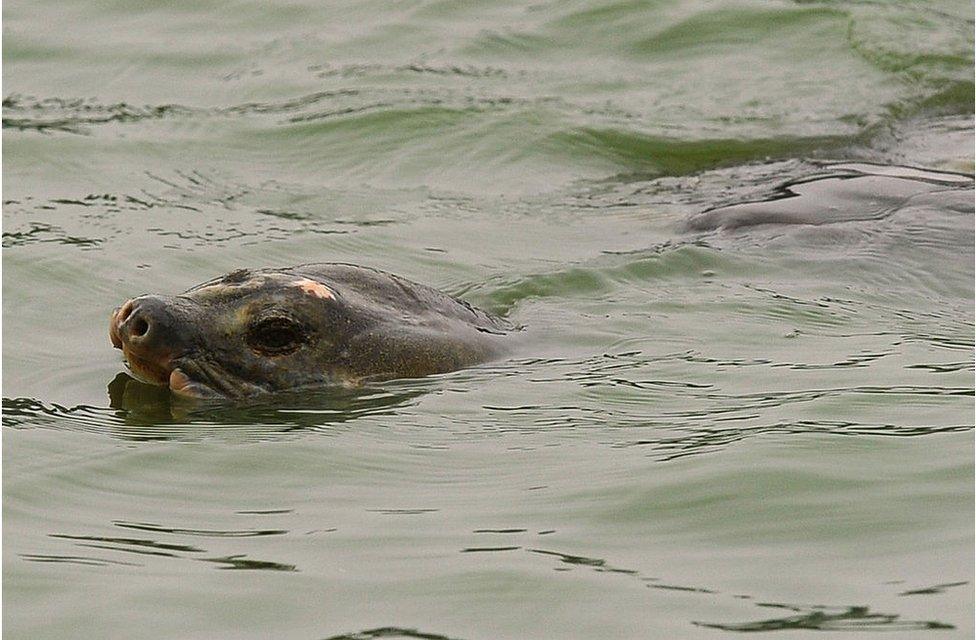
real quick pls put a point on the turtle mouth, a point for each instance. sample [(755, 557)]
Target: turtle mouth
[(189, 377), (166, 372), (183, 385), (147, 369), (195, 377)]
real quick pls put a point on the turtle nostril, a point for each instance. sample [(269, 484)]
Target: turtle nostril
[(125, 311), (140, 327)]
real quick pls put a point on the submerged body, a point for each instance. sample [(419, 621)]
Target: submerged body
[(258, 331), (843, 193)]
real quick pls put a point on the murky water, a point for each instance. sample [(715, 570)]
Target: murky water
[(708, 425)]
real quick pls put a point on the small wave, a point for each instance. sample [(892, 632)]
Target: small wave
[(709, 439), (718, 30), (668, 261), (150, 549), (932, 45), (39, 232), (74, 115), (190, 210), (934, 589), (391, 632), (29, 412), (674, 156), (87, 561), (348, 70), (206, 533), (820, 618), (79, 116), (812, 617), (241, 562), (162, 548), (443, 126)]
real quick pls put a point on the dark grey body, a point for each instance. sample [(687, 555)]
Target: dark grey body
[(386, 326), (842, 193)]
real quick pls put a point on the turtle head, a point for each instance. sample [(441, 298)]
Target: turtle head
[(240, 335)]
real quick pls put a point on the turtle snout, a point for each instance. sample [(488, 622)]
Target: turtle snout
[(143, 324)]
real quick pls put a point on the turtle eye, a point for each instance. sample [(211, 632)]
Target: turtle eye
[(275, 336)]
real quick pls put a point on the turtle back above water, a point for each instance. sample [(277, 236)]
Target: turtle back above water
[(257, 331)]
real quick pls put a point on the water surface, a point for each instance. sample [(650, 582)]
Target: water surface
[(705, 430)]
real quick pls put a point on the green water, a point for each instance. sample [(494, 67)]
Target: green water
[(698, 435)]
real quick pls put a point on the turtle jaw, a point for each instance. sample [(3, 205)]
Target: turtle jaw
[(193, 376), (161, 370), (167, 373), (187, 376), (149, 370), (183, 386)]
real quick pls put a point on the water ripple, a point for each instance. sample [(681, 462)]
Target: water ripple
[(819, 618), (390, 632)]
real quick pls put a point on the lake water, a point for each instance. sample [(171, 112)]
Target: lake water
[(699, 434)]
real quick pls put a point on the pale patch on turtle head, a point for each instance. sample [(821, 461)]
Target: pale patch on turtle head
[(233, 282), (313, 288)]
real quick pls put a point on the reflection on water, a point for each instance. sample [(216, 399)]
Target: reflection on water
[(144, 412), (144, 407)]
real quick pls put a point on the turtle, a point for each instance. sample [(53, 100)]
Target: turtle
[(259, 331)]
